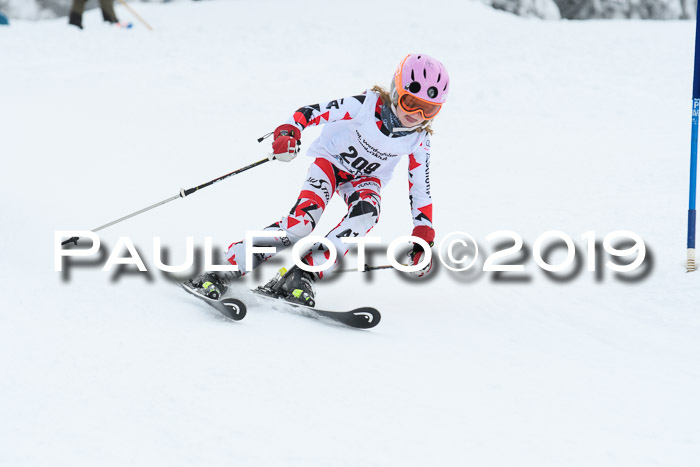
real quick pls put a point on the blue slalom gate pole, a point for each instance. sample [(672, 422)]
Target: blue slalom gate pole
[(691, 266)]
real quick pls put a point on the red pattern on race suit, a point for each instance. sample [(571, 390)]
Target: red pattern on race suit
[(316, 114), (361, 195), (419, 188)]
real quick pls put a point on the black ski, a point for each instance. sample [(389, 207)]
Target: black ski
[(360, 318), (232, 308)]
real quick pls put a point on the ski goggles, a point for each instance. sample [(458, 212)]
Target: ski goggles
[(412, 104)]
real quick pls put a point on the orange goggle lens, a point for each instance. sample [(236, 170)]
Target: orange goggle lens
[(412, 104)]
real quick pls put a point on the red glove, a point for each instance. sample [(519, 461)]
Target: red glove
[(286, 143), (417, 254)]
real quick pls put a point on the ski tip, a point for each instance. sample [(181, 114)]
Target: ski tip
[(233, 308), (367, 317)]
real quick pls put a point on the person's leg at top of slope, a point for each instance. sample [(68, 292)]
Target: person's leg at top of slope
[(363, 139), (108, 14), (76, 13), (75, 17)]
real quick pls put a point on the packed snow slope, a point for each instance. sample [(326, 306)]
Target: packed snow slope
[(570, 126)]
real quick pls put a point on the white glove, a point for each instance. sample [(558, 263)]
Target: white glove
[(290, 154), (415, 256)]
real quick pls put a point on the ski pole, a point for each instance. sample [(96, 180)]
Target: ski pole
[(691, 265), (182, 194), (136, 15)]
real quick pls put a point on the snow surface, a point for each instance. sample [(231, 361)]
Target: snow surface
[(569, 126)]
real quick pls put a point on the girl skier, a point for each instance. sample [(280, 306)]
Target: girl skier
[(361, 143)]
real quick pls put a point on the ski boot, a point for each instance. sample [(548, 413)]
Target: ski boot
[(213, 284), (75, 19), (295, 285), (271, 287)]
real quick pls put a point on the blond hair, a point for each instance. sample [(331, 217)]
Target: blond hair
[(386, 98)]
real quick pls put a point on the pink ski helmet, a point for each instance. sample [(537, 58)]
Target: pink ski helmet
[(420, 84)]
